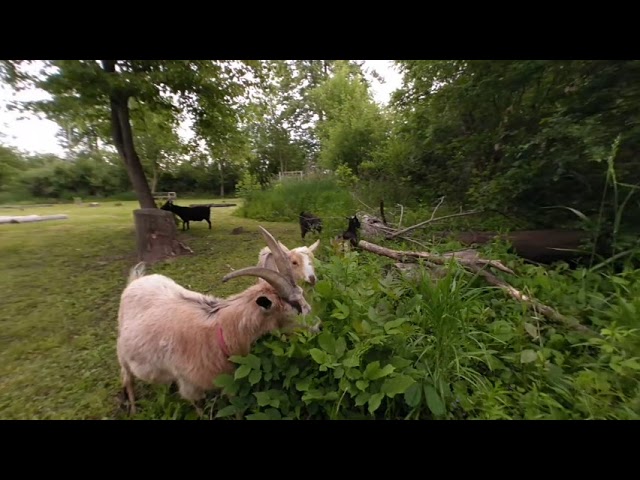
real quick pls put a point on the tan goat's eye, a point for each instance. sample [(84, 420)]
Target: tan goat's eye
[(295, 263)]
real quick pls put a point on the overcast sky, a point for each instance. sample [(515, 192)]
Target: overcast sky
[(38, 136)]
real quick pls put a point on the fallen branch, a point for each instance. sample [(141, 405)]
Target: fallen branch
[(426, 222), (471, 260), (465, 257), (31, 218), (546, 310), (401, 214)]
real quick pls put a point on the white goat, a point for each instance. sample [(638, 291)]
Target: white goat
[(301, 259), (170, 334)]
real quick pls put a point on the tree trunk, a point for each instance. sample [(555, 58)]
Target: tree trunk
[(154, 179), (156, 235), (123, 140), (155, 238), (221, 179)]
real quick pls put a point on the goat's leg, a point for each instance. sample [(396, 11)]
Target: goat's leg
[(127, 386), (199, 407), (193, 394), (209, 222)]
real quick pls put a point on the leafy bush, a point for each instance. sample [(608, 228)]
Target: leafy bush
[(393, 347)]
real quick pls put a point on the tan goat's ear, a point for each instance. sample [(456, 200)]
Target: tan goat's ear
[(314, 246)]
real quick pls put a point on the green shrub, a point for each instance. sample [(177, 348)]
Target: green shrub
[(397, 348)]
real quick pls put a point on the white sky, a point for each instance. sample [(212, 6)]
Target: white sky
[(35, 135)]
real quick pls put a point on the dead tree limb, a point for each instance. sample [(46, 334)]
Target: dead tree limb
[(471, 260), (426, 222), (465, 257), (401, 214), (547, 311)]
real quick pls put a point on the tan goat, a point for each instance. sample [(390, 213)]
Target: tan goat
[(170, 334), (301, 259)]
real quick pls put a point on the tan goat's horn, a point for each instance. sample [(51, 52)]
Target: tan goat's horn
[(282, 261), (277, 280)]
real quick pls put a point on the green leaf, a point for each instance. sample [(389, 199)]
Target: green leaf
[(341, 346), (242, 371), (303, 385), (434, 402), (396, 385), (387, 370), (373, 371), (352, 361), (338, 373), (255, 377), (226, 411), (191, 416), (400, 363), (374, 402), (273, 414), (223, 380), (528, 356), (240, 360), (342, 312), (319, 356), (278, 351), (331, 396), (362, 398), (362, 384), (413, 395), (631, 363), (313, 395), (323, 288), (373, 314), (258, 416), (263, 398), (267, 365), (531, 330), (388, 326), (253, 361), (327, 342)]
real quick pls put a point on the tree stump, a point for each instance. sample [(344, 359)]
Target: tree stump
[(156, 235)]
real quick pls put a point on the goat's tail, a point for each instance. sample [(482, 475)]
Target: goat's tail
[(136, 272)]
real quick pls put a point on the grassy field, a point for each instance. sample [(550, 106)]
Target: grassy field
[(60, 283)]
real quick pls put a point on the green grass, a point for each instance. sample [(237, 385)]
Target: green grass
[(60, 283)]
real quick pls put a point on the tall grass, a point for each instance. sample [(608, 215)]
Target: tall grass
[(284, 201)]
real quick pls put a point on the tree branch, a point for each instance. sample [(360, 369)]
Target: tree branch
[(471, 260), (422, 224)]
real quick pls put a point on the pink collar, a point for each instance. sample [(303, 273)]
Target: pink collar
[(223, 344)]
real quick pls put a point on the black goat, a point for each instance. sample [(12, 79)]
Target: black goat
[(351, 233), (189, 214), (309, 222)]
